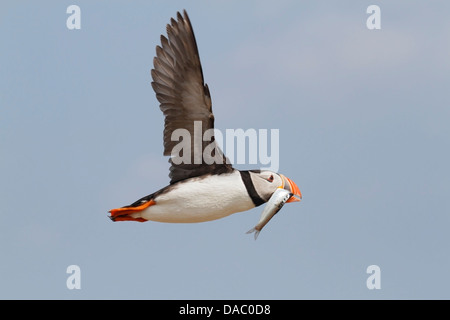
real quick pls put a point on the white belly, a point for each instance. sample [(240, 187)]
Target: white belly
[(200, 199)]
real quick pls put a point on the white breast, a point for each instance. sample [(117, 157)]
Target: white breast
[(200, 199)]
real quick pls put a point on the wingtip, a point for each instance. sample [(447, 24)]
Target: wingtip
[(179, 16)]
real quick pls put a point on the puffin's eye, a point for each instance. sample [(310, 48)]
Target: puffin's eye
[(270, 178)]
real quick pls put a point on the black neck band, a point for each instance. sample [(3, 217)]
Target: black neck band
[(245, 175)]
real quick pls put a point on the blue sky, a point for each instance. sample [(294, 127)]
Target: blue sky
[(363, 118)]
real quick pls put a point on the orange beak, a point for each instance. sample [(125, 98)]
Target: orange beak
[(290, 186)]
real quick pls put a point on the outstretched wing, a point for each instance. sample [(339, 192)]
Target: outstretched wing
[(186, 103)]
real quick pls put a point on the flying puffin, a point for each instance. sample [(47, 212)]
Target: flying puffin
[(199, 190)]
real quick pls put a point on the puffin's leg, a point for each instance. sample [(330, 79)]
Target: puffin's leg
[(126, 213)]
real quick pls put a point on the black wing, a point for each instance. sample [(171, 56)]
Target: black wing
[(184, 98)]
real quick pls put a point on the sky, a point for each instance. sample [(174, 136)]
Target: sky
[(363, 118)]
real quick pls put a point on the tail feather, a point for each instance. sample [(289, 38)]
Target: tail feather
[(128, 213)]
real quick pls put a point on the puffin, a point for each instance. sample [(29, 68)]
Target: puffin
[(200, 189)]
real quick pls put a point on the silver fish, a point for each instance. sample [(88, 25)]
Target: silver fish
[(275, 203)]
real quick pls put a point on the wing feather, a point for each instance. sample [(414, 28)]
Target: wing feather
[(184, 97)]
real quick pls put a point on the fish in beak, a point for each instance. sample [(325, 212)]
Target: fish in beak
[(275, 203), (290, 186)]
